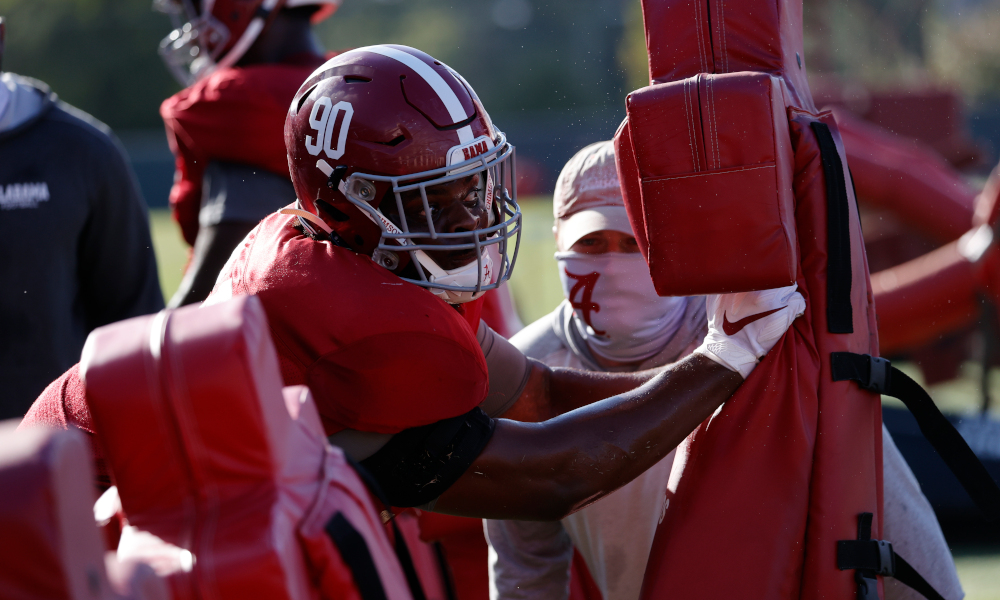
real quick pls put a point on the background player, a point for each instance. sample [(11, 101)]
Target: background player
[(240, 62), (611, 320)]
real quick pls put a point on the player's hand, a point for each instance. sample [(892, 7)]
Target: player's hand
[(743, 327)]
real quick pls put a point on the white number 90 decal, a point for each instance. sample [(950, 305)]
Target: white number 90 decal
[(325, 123)]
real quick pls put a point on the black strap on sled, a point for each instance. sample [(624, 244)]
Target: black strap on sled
[(839, 311), (870, 558), (878, 375), (400, 548), (354, 552), (405, 561)]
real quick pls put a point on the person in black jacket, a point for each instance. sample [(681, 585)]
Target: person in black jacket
[(75, 249)]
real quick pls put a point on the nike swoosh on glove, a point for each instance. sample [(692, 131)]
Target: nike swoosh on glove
[(743, 327)]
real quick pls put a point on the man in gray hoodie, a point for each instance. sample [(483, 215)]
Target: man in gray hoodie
[(75, 249)]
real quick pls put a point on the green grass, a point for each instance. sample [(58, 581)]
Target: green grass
[(171, 250), (960, 395), (535, 283), (979, 572), (536, 289)]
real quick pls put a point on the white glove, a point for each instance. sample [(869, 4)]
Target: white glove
[(743, 327)]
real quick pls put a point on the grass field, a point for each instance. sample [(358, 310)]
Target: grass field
[(537, 291)]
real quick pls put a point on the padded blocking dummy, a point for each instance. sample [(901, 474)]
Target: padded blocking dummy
[(50, 546), (762, 492), (714, 162), (940, 292), (211, 456)]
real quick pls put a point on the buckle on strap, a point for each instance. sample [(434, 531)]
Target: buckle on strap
[(878, 376), (867, 555), (871, 372), (869, 558)]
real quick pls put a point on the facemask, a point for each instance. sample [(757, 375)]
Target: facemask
[(615, 305)]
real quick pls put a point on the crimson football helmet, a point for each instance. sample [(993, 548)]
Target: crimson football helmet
[(209, 34), (371, 135)]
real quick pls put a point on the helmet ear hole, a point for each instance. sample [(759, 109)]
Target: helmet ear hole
[(332, 211)]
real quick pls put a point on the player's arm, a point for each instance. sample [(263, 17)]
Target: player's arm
[(524, 389), (547, 470), (497, 468), (552, 391)]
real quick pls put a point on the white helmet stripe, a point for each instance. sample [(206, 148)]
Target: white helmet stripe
[(433, 79)]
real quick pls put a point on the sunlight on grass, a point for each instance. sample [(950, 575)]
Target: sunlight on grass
[(960, 395), (979, 572), (535, 283), (171, 251)]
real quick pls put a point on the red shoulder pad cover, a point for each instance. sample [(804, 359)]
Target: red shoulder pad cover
[(210, 456), (712, 162)]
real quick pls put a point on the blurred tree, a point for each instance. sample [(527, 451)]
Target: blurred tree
[(963, 47), (99, 55), (522, 56), (892, 43), (632, 57), (519, 55)]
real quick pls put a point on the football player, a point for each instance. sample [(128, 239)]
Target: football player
[(372, 283), (406, 215), (240, 63)]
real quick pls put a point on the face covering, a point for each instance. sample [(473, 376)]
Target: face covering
[(615, 306)]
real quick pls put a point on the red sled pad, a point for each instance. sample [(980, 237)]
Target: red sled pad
[(211, 456), (50, 547), (706, 170)]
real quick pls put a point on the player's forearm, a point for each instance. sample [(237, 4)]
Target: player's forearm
[(547, 470), (551, 392), (570, 389)]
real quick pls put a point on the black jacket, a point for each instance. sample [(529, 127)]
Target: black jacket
[(75, 249)]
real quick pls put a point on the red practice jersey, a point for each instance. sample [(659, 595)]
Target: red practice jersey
[(378, 353), (235, 115)]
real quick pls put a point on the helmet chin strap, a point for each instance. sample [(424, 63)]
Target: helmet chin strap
[(307, 216), (465, 276)]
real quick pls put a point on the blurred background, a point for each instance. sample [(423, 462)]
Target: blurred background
[(553, 75)]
